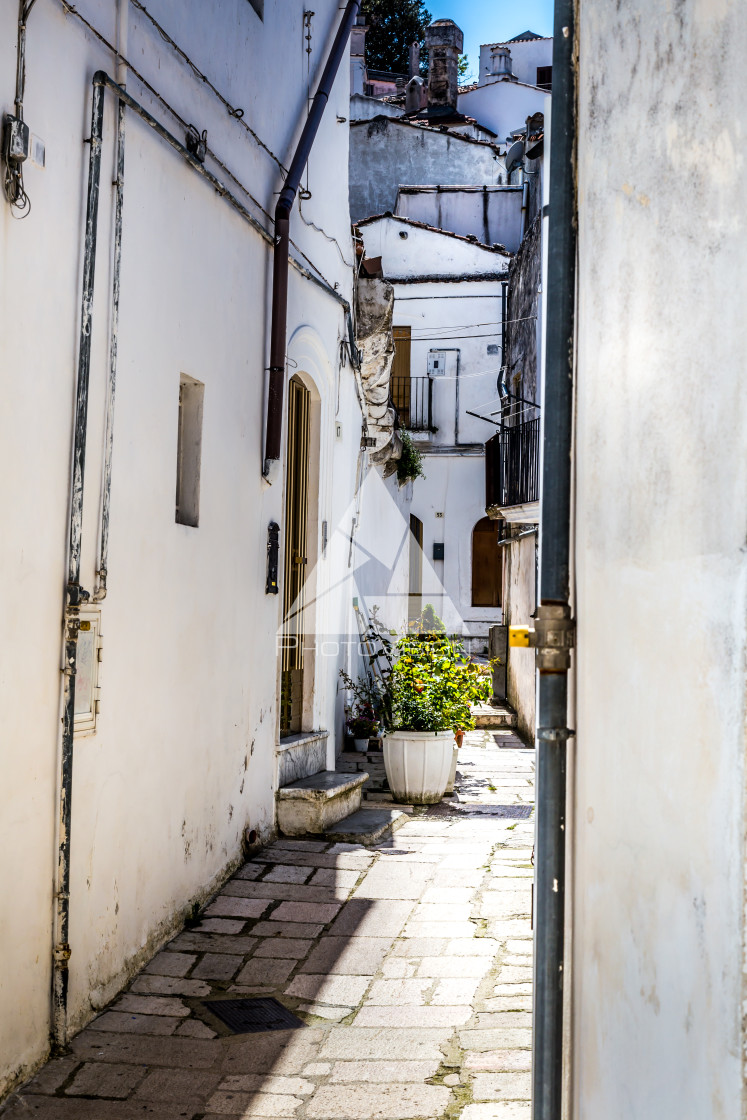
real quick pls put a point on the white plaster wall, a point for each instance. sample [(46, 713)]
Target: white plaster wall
[(463, 316), (491, 214), (503, 106), (661, 564), (454, 485), (409, 252), (364, 108), (525, 58), (386, 154), (183, 756)]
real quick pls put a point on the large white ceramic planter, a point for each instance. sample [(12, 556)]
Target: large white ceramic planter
[(417, 765)]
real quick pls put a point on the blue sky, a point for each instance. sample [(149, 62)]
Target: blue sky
[(490, 21)]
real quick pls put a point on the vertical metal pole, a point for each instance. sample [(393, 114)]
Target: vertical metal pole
[(102, 570), (554, 578), (74, 594)]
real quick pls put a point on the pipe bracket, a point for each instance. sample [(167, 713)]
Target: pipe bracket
[(62, 954)]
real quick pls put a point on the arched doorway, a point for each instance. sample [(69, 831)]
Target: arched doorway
[(487, 564)]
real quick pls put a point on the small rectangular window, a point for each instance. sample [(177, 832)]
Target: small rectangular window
[(544, 77), (189, 451)]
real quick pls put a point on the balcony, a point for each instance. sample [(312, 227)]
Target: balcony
[(512, 472), (413, 399)]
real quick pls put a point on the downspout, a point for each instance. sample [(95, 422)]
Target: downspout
[(553, 624), (74, 593), (524, 202), (274, 429)]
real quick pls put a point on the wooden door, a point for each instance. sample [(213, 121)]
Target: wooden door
[(487, 564)]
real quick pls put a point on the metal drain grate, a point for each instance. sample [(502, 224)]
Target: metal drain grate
[(249, 1016)]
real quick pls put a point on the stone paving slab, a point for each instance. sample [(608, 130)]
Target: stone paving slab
[(409, 963)]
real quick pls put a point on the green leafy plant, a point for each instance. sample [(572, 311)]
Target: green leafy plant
[(433, 683), (410, 462)]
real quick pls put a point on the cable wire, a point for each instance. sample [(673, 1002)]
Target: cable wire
[(237, 114), (72, 10)]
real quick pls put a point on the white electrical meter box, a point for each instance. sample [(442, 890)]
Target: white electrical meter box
[(88, 667), (442, 363)]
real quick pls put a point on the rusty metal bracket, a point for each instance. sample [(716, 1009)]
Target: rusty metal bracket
[(555, 637), (62, 954)]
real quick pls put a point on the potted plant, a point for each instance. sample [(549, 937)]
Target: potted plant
[(363, 725), (433, 686)]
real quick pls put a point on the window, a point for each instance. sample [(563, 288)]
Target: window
[(544, 77), (416, 567), (259, 7), (400, 386), (189, 451), (487, 564)]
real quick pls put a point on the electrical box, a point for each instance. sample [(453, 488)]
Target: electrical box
[(16, 140), (88, 671), (436, 363), (273, 549), (438, 550), (443, 363)]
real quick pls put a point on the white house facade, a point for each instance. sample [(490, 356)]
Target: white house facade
[(174, 759)]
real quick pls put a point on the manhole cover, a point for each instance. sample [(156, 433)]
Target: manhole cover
[(249, 1016)]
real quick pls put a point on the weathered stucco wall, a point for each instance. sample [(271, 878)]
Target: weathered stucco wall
[(503, 106), (386, 154), (183, 757), (491, 214), (661, 563)]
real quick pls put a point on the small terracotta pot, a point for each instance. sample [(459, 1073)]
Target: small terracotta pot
[(459, 736)]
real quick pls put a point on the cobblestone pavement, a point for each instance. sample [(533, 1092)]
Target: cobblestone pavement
[(409, 963)]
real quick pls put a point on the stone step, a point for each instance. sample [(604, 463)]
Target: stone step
[(317, 803), (489, 716), (367, 826)]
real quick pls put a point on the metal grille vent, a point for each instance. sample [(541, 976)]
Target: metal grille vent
[(249, 1016)]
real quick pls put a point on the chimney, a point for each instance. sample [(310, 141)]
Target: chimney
[(502, 64), (444, 41), (414, 69), (414, 99)]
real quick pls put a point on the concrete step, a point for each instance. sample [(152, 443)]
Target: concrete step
[(367, 826), (489, 716), (317, 803)]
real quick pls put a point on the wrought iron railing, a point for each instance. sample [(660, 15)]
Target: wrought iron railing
[(413, 399), (512, 466)]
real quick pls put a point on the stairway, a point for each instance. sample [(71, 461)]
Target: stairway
[(328, 802)]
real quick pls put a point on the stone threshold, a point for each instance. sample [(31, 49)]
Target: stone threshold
[(300, 739)]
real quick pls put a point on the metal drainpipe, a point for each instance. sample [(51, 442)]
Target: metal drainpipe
[(74, 593), (553, 624), (106, 489), (274, 429)]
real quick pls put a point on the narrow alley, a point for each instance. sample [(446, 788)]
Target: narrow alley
[(407, 965)]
